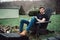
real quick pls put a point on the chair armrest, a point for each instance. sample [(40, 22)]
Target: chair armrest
[(44, 22)]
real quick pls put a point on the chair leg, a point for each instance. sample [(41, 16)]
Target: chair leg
[(37, 34), (38, 37)]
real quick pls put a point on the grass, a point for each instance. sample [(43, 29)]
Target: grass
[(54, 25), (10, 22)]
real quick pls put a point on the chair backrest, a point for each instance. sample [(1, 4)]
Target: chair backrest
[(48, 12)]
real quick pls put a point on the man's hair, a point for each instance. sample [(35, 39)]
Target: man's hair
[(41, 7)]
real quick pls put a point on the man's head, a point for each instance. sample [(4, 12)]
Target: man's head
[(42, 10)]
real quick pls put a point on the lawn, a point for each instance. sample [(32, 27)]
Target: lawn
[(10, 22), (54, 25)]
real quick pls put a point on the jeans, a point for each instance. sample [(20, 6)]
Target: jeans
[(29, 24)]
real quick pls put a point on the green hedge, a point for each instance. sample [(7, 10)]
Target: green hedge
[(33, 13)]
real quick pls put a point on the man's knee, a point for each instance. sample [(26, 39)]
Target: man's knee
[(22, 20), (33, 18)]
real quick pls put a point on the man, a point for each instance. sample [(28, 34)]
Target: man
[(41, 17)]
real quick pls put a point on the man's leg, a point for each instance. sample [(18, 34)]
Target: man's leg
[(31, 23), (33, 20), (22, 24)]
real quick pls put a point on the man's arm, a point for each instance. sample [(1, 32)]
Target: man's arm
[(43, 19)]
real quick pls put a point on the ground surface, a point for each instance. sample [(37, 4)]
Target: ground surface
[(54, 25)]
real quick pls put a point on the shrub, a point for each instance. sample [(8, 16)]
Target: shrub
[(33, 13), (21, 11)]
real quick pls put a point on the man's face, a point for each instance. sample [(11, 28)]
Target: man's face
[(42, 10)]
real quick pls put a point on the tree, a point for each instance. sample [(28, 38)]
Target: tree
[(21, 11)]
